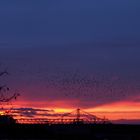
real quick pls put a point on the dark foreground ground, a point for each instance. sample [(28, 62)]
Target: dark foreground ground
[(70, 132)]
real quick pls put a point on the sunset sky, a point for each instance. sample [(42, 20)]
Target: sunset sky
[(67, 54)]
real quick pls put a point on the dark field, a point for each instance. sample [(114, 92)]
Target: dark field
[(70, 132)]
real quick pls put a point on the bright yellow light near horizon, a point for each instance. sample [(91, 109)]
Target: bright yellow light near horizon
[(62, 110), (2, 113), (59, 110)]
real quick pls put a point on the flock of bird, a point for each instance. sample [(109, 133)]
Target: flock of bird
[(79, 85)]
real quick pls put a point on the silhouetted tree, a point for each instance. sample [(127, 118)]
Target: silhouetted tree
[(4, 89)]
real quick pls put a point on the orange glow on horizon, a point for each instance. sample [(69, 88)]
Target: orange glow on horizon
[(124, 106), (117, 110)]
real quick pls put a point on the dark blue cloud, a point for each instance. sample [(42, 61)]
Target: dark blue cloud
[(48, 22), (43, 41)]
